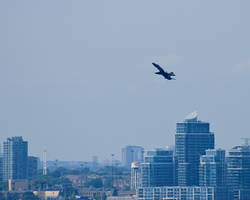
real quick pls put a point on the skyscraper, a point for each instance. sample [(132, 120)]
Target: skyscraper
[(192, 139), (132, 154), (32, 167), (238, 162), (158, 168), (135, 175), (213, 168), (15, 158), (1, 169), (213, 172), (1, 164)]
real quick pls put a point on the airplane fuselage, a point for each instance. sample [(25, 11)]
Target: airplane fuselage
[(165, 75)]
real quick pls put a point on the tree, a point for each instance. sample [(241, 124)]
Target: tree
[(1, 195), (96, 183), (114, 192), (69, 193), (12, 196), (29, 196), (108, 182), (4, 186)]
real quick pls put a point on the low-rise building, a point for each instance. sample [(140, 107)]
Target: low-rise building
[(19, 185), (47, 195), (176, 193)]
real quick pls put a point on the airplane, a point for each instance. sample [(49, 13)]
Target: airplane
[(165, 74)]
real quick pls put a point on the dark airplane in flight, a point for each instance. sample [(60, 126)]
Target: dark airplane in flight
[(163, 73)]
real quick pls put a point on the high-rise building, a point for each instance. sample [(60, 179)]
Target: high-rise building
[(32, 167), (94, 162), (238, 168), (15, 158), (213, 172), (1, 169), (135, 175), (1, 164), (213, 168), (158, 168), (192, 139), (132, 154)]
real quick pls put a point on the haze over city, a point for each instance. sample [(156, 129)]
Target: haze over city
[(76, 76)]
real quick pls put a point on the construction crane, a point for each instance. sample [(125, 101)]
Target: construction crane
[(44, 162), (246, 141)]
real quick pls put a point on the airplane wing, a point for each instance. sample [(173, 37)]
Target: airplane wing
[(158, 67)]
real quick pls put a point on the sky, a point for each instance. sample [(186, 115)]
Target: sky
[(76, 76)]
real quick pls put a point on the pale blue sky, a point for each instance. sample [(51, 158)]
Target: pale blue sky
[(76, 76)]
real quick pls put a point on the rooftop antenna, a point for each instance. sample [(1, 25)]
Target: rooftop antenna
[(44, 162), (246, 141)]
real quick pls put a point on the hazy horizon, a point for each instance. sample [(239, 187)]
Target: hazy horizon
[(76, 76)]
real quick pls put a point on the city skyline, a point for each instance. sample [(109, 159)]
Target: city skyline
[(78, 74), (140, 151), (195, 169)]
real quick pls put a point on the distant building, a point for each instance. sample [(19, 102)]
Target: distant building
[(93, 194), (213, 172), (131, 154), (18, 185), (213, 168), (32, 167), (176, 193), (47, 195), (15, 158), (121, 198), (1, 169), (192, 138), (158, 168), (94, 162), (238, 163), (1, 164), (135, 175)]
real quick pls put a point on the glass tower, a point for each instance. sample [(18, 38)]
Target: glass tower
[(131, 154), (135, 176), (15, 158), (1, 169), (158, 168), (238, 162), (32, 167), (192, 139), (213, 168), (213, 172)]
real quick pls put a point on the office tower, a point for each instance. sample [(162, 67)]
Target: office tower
[(192, 139), (94, 162), (213, 172), (238, 172), (32, 167), (158, 168), (131, 154), (213, 168), (15, 158), (135, 175), (1, 164), (1, 152), (1, 169)]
